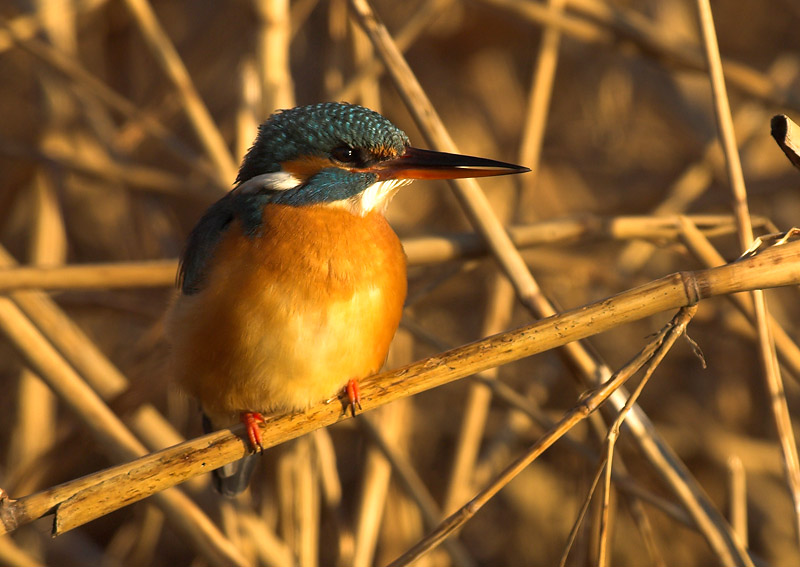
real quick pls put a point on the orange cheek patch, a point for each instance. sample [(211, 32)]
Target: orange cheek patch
[(304, 167)]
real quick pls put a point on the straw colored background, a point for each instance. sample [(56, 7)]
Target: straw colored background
[(630, 128)]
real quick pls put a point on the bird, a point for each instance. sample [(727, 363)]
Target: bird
[(292, 285)]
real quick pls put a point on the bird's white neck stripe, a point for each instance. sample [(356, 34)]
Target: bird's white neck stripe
[(276, 181)]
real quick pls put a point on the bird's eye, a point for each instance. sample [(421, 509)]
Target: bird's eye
[(346, 154)]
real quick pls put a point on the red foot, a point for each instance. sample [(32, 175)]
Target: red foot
[(353, 395), (251, 419)]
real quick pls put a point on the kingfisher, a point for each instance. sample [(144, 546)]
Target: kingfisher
[(292, 285)]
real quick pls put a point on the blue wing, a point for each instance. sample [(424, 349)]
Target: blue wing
[(202, 242), (246, 203)]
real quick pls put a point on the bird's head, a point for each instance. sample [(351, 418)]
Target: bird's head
[(345, 155)]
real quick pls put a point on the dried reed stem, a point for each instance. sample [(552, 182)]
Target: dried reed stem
[(150, 273), (479, 211), (766, 343), (675, 329), (737, 497), (584, 409), (420, 251), (787, 135), (272, 55), (103, 93), (173, 67), (112, 435), (98, 494), (703, 250)]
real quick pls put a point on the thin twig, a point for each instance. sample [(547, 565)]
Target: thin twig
[(787, 135), (173, 67), (116, 440), (676, 328), (98, 494), (420, 251), (703, 250), (577, 414), (737, 497), (766, 343), (479, 211)]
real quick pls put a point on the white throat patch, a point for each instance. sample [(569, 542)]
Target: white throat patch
[(374, 197)]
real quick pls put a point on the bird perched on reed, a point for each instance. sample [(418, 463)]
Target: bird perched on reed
[(292, 285)]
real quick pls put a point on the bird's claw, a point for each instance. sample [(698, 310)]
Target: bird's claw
[(353, 396), (251, 419)]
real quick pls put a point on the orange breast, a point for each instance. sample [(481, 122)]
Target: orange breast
[(288, 317)]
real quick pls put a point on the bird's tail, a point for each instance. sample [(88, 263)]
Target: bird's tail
[(232, 479)]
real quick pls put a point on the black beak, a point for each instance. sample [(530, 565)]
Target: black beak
[(426, 164)]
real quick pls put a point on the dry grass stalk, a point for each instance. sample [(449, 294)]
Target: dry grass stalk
[(479, 211), (476, 410), (92, 496), (699, 245), (675, 329), (737, 496), (110, 432), (787, 135), (98, 90), (420, 251), (151, 273), (654, 350), (766, 342), (172, 65)]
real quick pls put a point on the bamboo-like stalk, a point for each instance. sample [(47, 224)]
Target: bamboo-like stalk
[(766, 343), (479, 211), (272, 55), (676, 328), (37, 407), (578, 413), (333, 495), (112, 435), (248, 113), (541, 92), (377, 475), (103, 93), (704, 251), (600, 23), (420, 251), (787, 135), (150, 273), (476, 409), (737, 497), (174, 69), (92, 496)]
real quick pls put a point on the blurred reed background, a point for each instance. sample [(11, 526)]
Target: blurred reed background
[(123, 120)]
